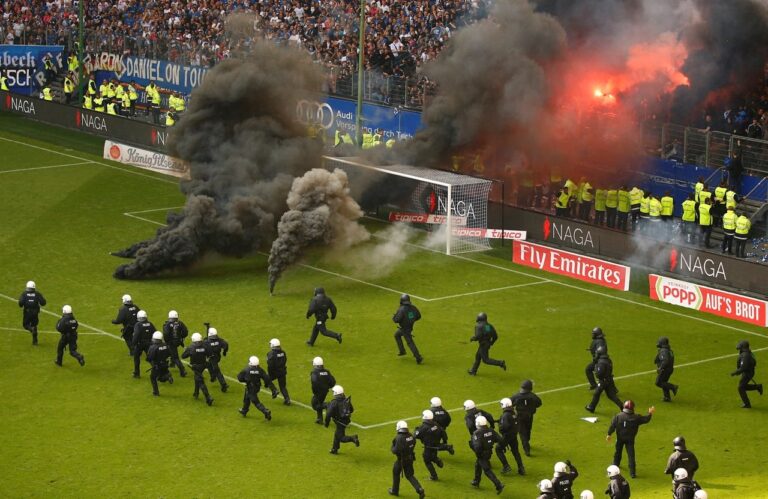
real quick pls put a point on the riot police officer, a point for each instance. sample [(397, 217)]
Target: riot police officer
[(198, 353), (745, 365), (67, 326), (604, 373), (405, 317), (682, 485), (547, 489), (253, 376), (483, 440), (30, 301), (432, 435), (626, 424), (562, 481), (319, 306), (485, 335), (509, 428), (402, 447), (158, 355), (142, 338), (471, 414), (276, 367), (174, 332), (665, 365), (598, 340), (126, 316), (441, 416), (681, 458), (340, 410), (218, 347), (321, 380), (618, 487), (526, 403)]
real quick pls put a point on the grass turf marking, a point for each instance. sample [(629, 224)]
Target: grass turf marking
[(34, 168)]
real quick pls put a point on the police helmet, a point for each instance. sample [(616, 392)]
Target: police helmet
[(482, 317), (545, 485), (505, 402), (435, 402), (663, 342), (427, 415), (197, 337), (597, 332), (253, 361), (319, 291), (141, 315), (212, 331), (317, 361), (586, 494), (679, 443), (173, 314), (30, 284), (157, 335), (274, 343), (681, 474), (337, 390), (700, 494), (613, 471), (66, 309), (742, 345), (402, 426), (405, 298), (127, 299), (469, 404), (560, 467), (629, 405), (481, 421), (526, 385)]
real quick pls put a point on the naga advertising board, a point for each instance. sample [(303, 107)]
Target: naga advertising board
[(24, 67), (708, 300), (583, 268), (148, 160)]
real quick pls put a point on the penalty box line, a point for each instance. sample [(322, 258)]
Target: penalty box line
[(34, 168)]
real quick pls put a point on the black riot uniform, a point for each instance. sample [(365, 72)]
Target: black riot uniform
[(322, 381), (683, 489), (405, 317), (598, 340), (509, 428), (276, 365), (340, 411), (157, 355), (526, 403), (604, 373), (485, 335), (562, 483), (745, 366), (443, 418), (682, 458), (626, 424), (142, 338), (198, 353), (402, 447), (618, 488), (219, 347), (432, 435), (483, 440), (472, 414), (174, 332), (319, 306), (253, 376), (665, 366), (67, 326), (126, 317), (30, 302)]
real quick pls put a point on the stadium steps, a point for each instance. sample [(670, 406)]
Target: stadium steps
[(755, 210)]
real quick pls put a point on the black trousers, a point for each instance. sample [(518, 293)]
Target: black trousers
[(128, 338), (175, 360), (404, 467), (662, 381), (609, 387), (727, 241), (68, 340), (525, 422), (483, 465), (623, 216), (599, 217), (630, 445), (137, 352), (611, 217), (318, 403), (706, 233), (340, 436), (319, 328), (482, 355), (408, 335), (745, 386), (198, 372), (590, 372), (282, 383), (159, 373), (252, 397), (430, 459), (635, 217), (29, 321), (741, 245), (509, 440), (585, 208), (216, 375)]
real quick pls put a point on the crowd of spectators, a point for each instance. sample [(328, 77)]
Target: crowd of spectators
[(399, 36)]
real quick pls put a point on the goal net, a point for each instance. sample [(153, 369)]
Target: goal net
[(452, 206)]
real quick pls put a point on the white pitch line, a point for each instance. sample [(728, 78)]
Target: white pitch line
[(487, 291), (154, 209), (124, 170), (21, 330), (44, 167), (571, 387), (144, 219)]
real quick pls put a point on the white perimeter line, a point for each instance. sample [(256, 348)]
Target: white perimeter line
[(45, 167), (488, 290), (20, 330), (132, 214), (124, 170), (571, 387), (144, 219)]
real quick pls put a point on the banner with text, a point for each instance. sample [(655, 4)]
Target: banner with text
[(23, 65), (167, 75), (148, 160), (709, 300)]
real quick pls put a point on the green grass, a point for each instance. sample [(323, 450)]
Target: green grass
[(96, 432)]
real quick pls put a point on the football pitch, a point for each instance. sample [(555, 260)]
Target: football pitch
[(94, 431)]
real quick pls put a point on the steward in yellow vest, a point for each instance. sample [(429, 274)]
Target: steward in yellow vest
[(611, 203), (98, 103), (4, 83), (585, 199), (600, 206), (48, 94), (742, 231), (623, 206), (561, 203), (69, 88), (729, 229), (635, 196), (111, 107), (92, 86), (705, 221), (689, 218), (731, 199), (697, 189), (87, 102), (169, 119)]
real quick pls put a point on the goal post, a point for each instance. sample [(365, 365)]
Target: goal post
[(453, 206)]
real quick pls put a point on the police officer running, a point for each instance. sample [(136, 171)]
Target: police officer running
[(745, 365), (158, 355), (562, 481), (625, 424), (322, 380), (526, 402), (605, 383), (319, 306), (67, 326), (340, 411), (470, 417), (276, 362), (681, 458), (126, 316), (174, 332), (546, 488), (442, 417), (142, 338), (598, 339), (218, 347), (509, 428), (30, 301), (683, 487), (253, 376), (402, 447), (618, 487), (665, 365), (405, 317), (483, 440), (198, 353), (432, 435), (485, 335)]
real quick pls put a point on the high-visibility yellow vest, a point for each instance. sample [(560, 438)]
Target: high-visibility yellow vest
[(729, 220), (367, 140), (98, 104), (730, 199), (611, 198), (4, 83), (72, 63), (126, 100), (667, 206), (390, 143), (562, 199), (704, 217), (169, 121), (699, 187), (654, 208), (743, 225), (111, 91), (600, 200), (87, 102), (133, 93), (69, 85), (119, 92), (623, 203), (720, 193), (689, 210), (104, 89), (704, 195), (635, 196), (91, 87), (180, 104), (111, 108), (586, 195), (47, 94), (571, 188), (645, 205)]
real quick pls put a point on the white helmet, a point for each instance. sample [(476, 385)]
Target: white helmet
[(468, 404), (481, 421), (317, 361), (141, 314), (157, 335), (401, 425), (197, 337), (560, 467), (545, 485), (427, 415), (274, 343), (586, 494), (681, 474), (505, 402), (337, 390), (700, 494), (435, 402), (212, 331), (613, 470), (253, 361), (30, 284), (66, 309), (173, 314), (127, 299)]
